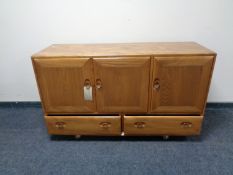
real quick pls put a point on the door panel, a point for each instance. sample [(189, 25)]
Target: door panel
[(122, 84), (180, 84), (61, 83)]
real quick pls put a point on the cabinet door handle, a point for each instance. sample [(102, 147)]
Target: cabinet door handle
[(156, 84), (98, 84), (105, 125), (139, 124), (87, 83)]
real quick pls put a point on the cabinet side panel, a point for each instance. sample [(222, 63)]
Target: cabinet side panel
[(208, 88), (38, 85)]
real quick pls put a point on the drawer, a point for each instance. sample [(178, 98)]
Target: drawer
[(162, 125), (83, 125)]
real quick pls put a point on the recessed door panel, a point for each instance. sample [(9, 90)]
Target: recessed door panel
[(180, 84), (122, 84), (62, 82)]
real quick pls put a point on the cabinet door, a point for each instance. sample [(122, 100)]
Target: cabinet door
[(122, 84), (62, 82), (180, 84)]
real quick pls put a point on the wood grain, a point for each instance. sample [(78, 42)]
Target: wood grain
[(126, 79), (209, 82), (162, 125), (61, 83), (125, 83), (183, 82), (123, 49), (83, 125)]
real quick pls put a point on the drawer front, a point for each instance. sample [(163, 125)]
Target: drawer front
[(83, 125), (162, 125)]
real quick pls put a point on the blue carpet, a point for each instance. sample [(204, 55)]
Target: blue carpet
[(26, 148)]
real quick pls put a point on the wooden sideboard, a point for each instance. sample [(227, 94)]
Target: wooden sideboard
[(124, 89)]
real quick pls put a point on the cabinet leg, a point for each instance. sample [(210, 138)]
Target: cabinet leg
[(166, 137), (77, 136)]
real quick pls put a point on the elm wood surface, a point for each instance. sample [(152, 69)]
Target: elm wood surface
[(162, 125), (124, 49), (61, 83), (126, 79), (84, 125), (124, 84), (182, 84)]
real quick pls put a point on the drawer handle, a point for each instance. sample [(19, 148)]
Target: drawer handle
[(139, 124), (60, 125), (105, 125), (186, 124)]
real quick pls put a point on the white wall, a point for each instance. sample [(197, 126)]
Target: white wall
[(27, 26)]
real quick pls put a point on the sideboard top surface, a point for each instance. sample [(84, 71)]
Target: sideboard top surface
[(124, 49)]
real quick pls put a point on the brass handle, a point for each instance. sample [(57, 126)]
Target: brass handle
[(156, 84), (98, 84), (87, 83), (186, 124), (60, 125), (105, 125), (139, 124)]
